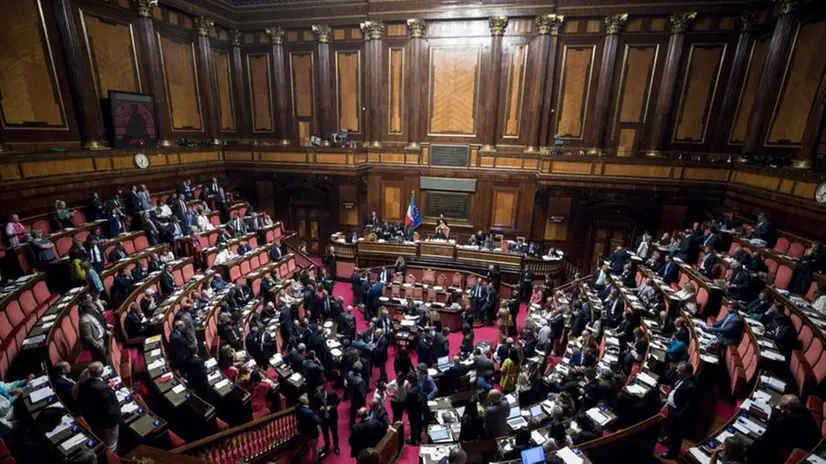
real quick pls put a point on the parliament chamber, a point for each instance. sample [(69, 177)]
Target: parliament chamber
[(436, 232)]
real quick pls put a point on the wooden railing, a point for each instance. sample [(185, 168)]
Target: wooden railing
[(254, 441), (570, 269), (390, 447)]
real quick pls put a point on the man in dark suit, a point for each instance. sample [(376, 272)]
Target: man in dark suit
[(99, 405), (330, 261), (122, 286), (739, 283), (709, 239), (688, 250), (326, 402), (759, 306), (478, 294), (780, 329), (791, 426), (707, 264), (452, 376), (115, 223), (186, 191), (670, 272), (308, 422), (581, 318), (139, 272), (371, 307), (177, 345), (489, 305), (313, 371), (64, 384), (729, 330), (681, 402), (149, 226), (264, 348), (96, 254), (366, 434), (441, 345), (807, 265), (168, 285), (374, 221), (358, 390), (764, 230), (618, 259), (275, 251), (380, 345), (237, 225)]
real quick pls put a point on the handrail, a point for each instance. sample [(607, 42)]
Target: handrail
[(248, 442), (390, 447), (575, 282), (302, 258)]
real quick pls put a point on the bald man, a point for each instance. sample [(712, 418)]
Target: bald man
[(99, 405), (496, 415), (791, 426)]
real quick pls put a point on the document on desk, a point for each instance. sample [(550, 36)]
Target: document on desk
[(699, 455), (597, 416), (222, 384), (815, 459), (647, 379), (751, 425), (178, 389), (209, 363), (42, 394), (65, 422), (36, 382), (74, 441), (156, 364), (636, 390), (129, 408), (772, 355), (773, 382), (567, 455), (296, 377)]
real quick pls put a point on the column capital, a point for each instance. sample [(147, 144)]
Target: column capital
[(203, 25), (786, 6), (679, 22), (321, 33), (235, 37), (614, 24), (416, 28), (372, 30), (748, 19), (549, 24), (276, 34), (497, 25), (145, 7)]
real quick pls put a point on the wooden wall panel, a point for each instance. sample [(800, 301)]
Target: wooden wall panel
[(454, 87), (555, 229), (503, 213), (574, 89), (223, 82), (515, 89), (704, 64), (627, 141), (112, 54), (29, 85), (348, 216), (755, 69), (801, 83), (391, 207), (181, 80), (260, 85), (395, 100), (635, 84), (348, 90), (301, 65)]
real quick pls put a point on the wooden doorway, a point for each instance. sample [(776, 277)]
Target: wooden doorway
[(308, 228), (605, 234)]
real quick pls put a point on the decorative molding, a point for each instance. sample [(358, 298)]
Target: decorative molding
[(203, 25), (372, 30), (679, 22), (321, 33), (748, 19), (497, 25), (614, 24), (145, 7), (549, 24), (416, 28), (784, 7), (276, 34), (235, 37)]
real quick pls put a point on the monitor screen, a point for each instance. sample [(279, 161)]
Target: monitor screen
[(438, 434), (444, 360), (533, 455), (514, 413), (536, 411)]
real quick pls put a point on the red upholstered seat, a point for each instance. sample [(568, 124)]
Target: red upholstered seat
[(796, 250), (27, 302), (245, 267), (805, 336), (129, 246), (79, 218), (255, 263), (263, 259), (782, 245), (42, 224), (63, 245), (291, 265), (179, 276), (702, 298), (253, 242), (783, 277), (187, 273), (41, 293), (771, 265)]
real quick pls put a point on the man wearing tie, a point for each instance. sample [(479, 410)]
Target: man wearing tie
[(213, 187), (383, 275), (185, 190), (681, 401), (670, 273), (325, 305), (489, 304), (739, 282), (275, 251), (148, 225), (238, 227), (707, 265), (477, 297), (114, 223), (710, 239), (330, 261), (729, 331), (95, 252)]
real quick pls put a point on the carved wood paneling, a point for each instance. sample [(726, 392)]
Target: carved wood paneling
[(348, 211), (699, 88), (395, 101), (454, 87), (391, 208), (744, 107), (28, 79), (800, 86), (301, 65), (627, 141), (181, 82), (223, 83), (635, 86), (348, 90), (503, 213), (112, 54), (515, 89), (556, 223), (260, 85), (574, 90)]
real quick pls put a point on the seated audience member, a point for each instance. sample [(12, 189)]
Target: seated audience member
[(118, 253), (730, 451), (15, 231), (218, 284), (738, 285), (99, 405), (764, 230), (588, 429), (759, 306), (224, 255), (522, 442), (729, 330), (791, 426), (139, 272), (780, 329), (121, 287), (669, 272), (244, 248), (63, 215), (135, 324), (677, 350)]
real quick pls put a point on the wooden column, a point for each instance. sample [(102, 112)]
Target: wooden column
[(151, 64), (737, 76), (613, 26), (551, 23), (771, 79), (206, 80), (537, 82), (325, 85), (84, 95), (416, 29), (284, 119), (497, 25), (665, 99), (243, 119), (373, 32)]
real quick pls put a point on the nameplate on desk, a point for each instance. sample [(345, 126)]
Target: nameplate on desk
[(449, 155)]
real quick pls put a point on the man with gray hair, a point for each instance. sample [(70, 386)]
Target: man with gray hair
[(358, 391), (99, 405)]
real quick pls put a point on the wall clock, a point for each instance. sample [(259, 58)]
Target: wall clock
[(820, 194), (141, 160)]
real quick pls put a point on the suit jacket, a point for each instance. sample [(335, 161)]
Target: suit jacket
[(711, 240), (740, 281), (121, 288), (496, 419), (308, 421), (114, 224), (729, 330), (765, 230), (91, 334), (670, 272), (380, 351), (450, 381), (177, 349), (100, 254), (758, 307), (117, 254), (707, 264), (333, 400), (98, 404), (168, 284), (133, 326), (685, 395), (618, 260), (365, 434), (275, 253), (238, 227)]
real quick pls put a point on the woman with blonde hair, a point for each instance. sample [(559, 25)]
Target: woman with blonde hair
[(509, 372), (64, 216), (503, 321)]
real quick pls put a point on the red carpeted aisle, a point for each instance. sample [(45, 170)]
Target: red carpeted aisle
[(410, 454)]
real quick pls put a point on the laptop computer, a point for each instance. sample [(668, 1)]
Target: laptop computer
[(537, 412), (444, 363), (515, 419), (533, 455)]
